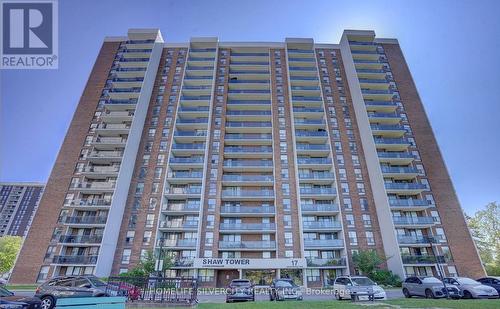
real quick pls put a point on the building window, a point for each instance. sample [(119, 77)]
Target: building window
[(150, 218), (147, 237), (129, 239), (367, 220), (353, 238), (206, 275), (126, 256), (43, 274), (207, 253), (288, 239), (289, 254), (350, 220), (209, 238), (369, 238)]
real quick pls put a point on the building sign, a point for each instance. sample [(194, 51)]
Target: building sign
[(249, 263)]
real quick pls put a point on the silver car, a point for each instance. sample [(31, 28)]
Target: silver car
[(429, 287), (472, 288)]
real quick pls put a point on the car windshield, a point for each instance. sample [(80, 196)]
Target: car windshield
[(240, 283), (431, 280), (4, 292), (96, 282), (362, 281), (467, 281), (284, 284)]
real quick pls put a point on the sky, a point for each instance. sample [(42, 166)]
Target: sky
[(451, 47)]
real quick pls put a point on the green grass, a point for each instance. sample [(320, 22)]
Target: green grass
[(395, 303)]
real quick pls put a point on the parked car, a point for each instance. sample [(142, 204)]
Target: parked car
[(69, 286), (3, 281), (240, 290), (343, 286), (9, 300), (471, 288), (429, 287), (282, 289), (494, 282)]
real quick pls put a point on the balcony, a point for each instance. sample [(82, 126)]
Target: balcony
[(182, 192), (413, 221), (405, 188), (190, 136), (85, 220), (248, 138), (202, 100), (247, 194), (409, 204), (247, 227), (309, 123), (248, 165), (423, 259), (173, 209), (90, 204), (318, 192), (120, 105), (317, 178), (384, 118), (248, 245), (304, 135), (249, 104), (192, 123), (329, 263), (248, 211), (319, 208), (198, 111), (184, 177), (100, 171), (117, 116), (179, 225), (415, 240), (251, 180), (109, 143), (388, 130), (94, 187), (317, 149), (80, 239), (394, 144), (185, 162), (323, 243), (315, 162), (403, 158), (308, 112), (248, 151), (74, 259), (186, 149), (238, 115), (381, 106), (399, 172), (248, 126), (321, 225), (180, 243)]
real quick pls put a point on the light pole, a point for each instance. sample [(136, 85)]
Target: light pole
[(159, 262)]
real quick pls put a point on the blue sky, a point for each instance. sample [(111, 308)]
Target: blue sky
[(452, 48)]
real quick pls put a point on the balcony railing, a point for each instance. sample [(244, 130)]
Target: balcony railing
[(98, 185), (196, 190), (190, 133), (316, 176), (414, 239), (80, 239), (248, 113), (309, 121), (247, 149), (250, 63), (383, 115), (74, 259), (408, 202), (252, 102), (412, 220), (186, 242), (247, 226), (318, 262), (262, 136), (188, 146), (256, 244), (321, 224), (182, 207), (314, 161), (252, 124), (405, 186), (386, 127), (179, 224), (248, 81), (399, 170), (248, 193), (423, 259), (95, 202), (247, 209), (391, 141), (249, 163), (395, 155), (323, 243), (85, 220), (311, 133), (318, 191), (306, 98), (307, 110), (186, 160), (250, 178), (313, 147), (319, 207), (191, 121), (185, 175)]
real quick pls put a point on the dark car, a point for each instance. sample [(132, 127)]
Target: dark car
[(240, 290), (70, 286), (494, 282), (282, 289), (9, 300)]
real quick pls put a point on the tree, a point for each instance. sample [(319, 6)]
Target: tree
[(368, 262), (9, 248), (485, 229), (147, 265)]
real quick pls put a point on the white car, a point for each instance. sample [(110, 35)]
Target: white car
[(343, 286)]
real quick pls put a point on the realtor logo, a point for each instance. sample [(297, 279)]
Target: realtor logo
[(29, 34)]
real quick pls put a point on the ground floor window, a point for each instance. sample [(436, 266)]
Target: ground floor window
[(294, 274), (260, 277), (312, 275), (206, 275)]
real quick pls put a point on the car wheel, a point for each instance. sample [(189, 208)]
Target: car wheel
[(47, 302), (429, 294), (467, 294), (406, 293)]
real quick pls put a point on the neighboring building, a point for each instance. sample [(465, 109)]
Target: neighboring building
[(249, 159), (18, 205)]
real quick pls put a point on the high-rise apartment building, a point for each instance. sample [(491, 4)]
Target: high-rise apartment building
[(245, 159), (18, 204)]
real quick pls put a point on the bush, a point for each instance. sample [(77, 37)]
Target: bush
[(386, 277)]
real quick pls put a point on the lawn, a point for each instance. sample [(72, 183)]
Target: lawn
[(395, 303)]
